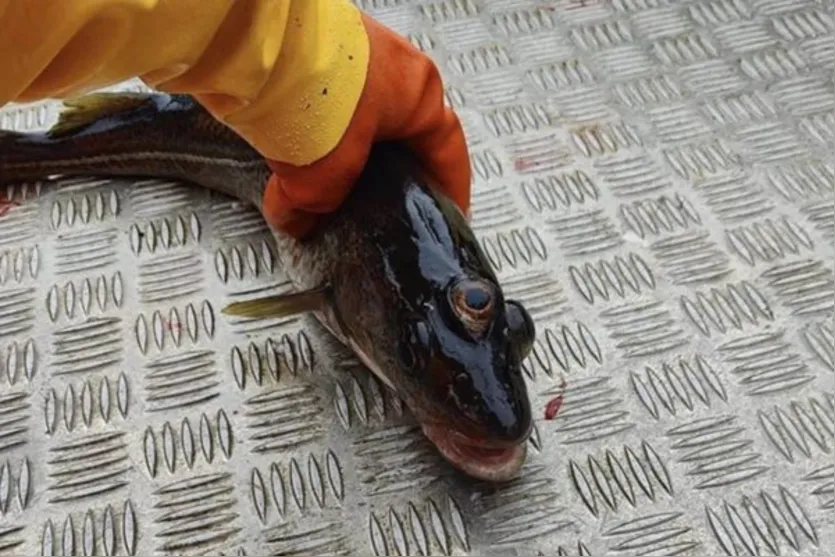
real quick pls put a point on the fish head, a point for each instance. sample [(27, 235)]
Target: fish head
[(459, 359), (415, 297)]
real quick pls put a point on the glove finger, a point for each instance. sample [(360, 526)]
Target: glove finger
[(321, 187), (413, 111), (445, 155), (280, 214), (298, 224)]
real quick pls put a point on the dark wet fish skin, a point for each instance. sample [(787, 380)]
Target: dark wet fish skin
[(143, 135), (388, 258)]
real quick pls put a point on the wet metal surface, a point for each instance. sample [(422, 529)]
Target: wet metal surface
[(653, 178)]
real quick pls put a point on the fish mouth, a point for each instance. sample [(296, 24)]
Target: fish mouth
[(483, 460)]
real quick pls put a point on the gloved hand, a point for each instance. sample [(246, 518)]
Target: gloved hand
[(263, 68), (403, 99)]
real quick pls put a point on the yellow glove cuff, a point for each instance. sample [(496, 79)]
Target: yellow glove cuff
[(285, 74), (307, 102)]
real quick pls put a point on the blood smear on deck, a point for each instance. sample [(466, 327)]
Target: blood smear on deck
[(6, 205), (554, 405)]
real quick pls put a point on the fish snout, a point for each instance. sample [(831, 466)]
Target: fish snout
[(506, 413), (510, 425)]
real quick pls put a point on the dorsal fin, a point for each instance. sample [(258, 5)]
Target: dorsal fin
[(83, 111)]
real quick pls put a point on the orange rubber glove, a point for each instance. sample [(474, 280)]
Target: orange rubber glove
[(403, 99)]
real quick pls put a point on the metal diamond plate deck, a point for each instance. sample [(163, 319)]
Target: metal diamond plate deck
[(655, 179)]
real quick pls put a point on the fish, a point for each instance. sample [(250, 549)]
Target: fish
[(396, 273)]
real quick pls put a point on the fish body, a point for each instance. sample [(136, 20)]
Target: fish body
[(396, 273)]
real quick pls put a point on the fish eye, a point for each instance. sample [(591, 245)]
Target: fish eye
[(472, 303), (472, 297), (520, 326), (477, 298)]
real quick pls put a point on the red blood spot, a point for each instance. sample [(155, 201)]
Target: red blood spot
[(6, 205), (554, 405), (172, 326), (522, 163)]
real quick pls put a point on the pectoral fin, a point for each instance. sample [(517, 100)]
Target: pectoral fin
[(282, 305)]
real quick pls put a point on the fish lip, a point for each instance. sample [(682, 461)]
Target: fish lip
[(486, 443), (473, 456)]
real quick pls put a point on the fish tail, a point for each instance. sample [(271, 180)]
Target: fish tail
[(137, 135)]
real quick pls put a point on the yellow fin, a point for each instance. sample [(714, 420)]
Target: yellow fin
[(83, 111), (282, 305)]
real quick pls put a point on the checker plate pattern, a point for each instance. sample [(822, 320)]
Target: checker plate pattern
[(654, 178)]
